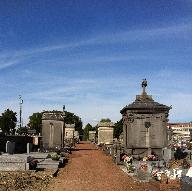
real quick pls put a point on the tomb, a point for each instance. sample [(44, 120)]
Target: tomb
[(145, 125), (53, 129), (105, 133), (69, 131), (92, 136)]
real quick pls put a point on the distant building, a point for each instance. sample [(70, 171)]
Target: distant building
[(180, 130)]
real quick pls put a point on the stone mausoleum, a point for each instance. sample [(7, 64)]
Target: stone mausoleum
[(145, 125), (105, 132), (92, 136), (53, 129), (69, 131)]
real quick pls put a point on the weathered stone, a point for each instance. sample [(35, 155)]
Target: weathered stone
[(10, 147), (92, 136), (29, 148), (145, 124), (53, 129), (105, 133), (69, 131)]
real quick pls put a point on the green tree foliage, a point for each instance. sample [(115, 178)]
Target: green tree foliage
[(22, 131), (105, 120), (8, 122), (118, 129), (35, 122), (71, 118), (86, 130)]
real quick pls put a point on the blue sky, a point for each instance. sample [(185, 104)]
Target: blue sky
[(92, 55)]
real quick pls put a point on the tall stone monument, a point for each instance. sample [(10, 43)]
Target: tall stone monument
[(53, 129), (145, 124), (105, 132)]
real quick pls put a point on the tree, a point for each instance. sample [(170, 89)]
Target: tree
[(86, 130), (22, 131), (8, 122), (118, 129), (35, 122), (105, 120), (71, 118)]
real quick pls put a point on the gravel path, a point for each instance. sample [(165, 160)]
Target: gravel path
[(91, 169)]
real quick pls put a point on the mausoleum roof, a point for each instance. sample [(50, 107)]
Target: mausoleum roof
[(145, 103), (105, 124), (53, 115)]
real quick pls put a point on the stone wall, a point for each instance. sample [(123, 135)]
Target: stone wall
[(138, 136), (20, 142)]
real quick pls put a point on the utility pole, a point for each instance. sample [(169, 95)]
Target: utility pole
[(63, 128), (20, 111)]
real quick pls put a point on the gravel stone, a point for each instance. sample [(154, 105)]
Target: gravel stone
[(90, 169)]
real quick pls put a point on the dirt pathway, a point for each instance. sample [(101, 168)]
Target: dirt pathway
[(91, 169)]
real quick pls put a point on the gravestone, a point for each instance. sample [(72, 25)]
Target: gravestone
[(118, 156), (29, 147), (166, 154), (10, 147)]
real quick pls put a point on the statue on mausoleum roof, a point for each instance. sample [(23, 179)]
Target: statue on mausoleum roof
[(144, 85)]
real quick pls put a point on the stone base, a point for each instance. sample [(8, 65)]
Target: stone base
[(49, 164), (13, 163), (141, 152)]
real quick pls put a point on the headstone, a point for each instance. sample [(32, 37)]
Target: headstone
[(166, 153), (29, 148), (10, 147), (118, 155), (144, 171)]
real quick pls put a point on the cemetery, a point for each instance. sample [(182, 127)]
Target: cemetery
[(145, 151), (148, 151), (30, 162)]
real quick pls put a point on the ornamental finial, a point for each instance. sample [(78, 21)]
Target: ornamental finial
[(144, 85)]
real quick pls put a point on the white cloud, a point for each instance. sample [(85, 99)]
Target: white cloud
[(181, 30)]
